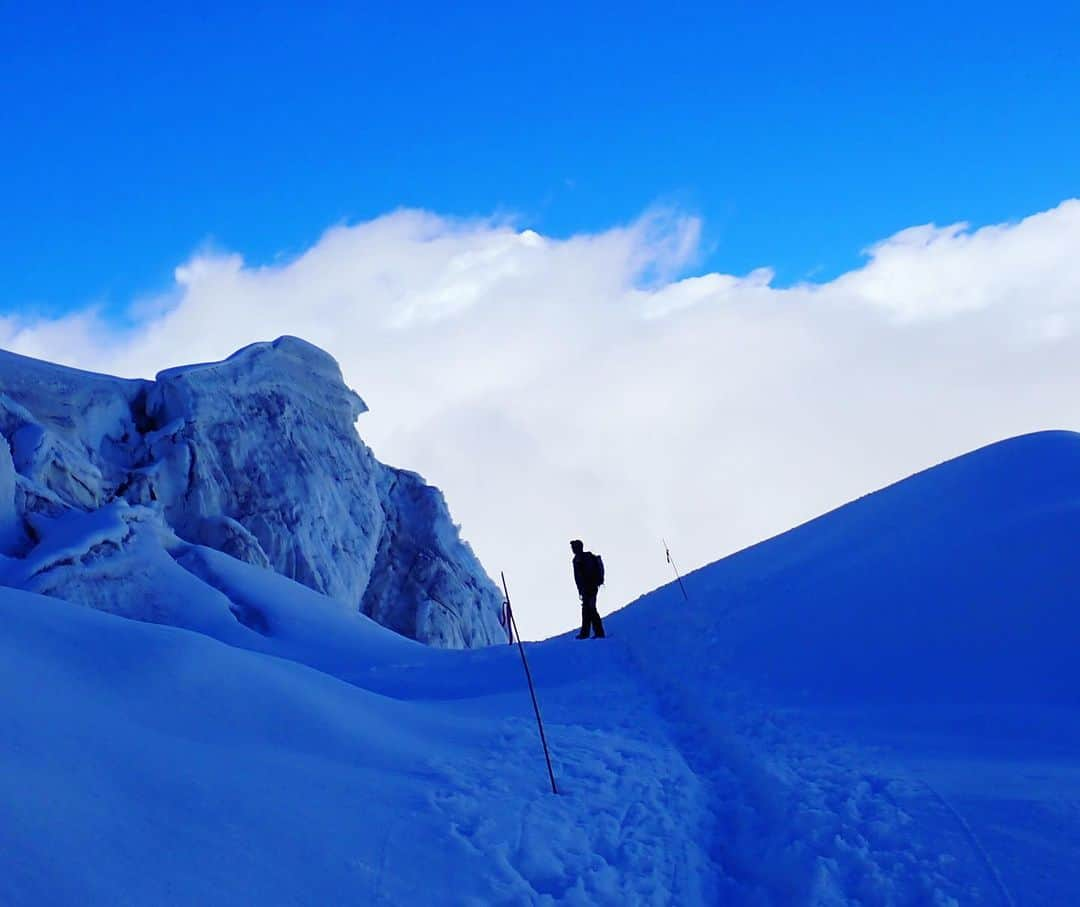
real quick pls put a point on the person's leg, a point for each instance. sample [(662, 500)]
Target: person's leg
[(591, 616), (585, 621), (597, 624)]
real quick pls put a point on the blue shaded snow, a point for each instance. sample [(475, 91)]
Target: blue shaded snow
[(256, 456), (896, 682), (145, 764), (875, 708)]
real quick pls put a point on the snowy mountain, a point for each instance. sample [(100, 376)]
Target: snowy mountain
[(878, 707), (110, 489)]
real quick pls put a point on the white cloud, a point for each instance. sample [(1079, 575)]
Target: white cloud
[(934, 272), (579, 387)]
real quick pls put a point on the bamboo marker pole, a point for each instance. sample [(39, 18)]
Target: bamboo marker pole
[(532, 690), (667, 553)]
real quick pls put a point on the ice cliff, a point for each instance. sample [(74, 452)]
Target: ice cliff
[(110, 486)]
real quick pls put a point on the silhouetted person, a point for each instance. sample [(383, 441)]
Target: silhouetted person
[(589, 577)]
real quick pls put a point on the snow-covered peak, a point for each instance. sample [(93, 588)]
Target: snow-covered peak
[(287, 365), (256, 456)]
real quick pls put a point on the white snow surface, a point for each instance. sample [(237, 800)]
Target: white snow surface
[(879, 707), (105, 483)]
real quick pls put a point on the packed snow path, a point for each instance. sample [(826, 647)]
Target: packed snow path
[(808, 730)]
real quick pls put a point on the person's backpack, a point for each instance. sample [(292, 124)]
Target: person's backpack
[(597, 569)]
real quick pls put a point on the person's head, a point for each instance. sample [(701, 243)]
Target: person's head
[(576, 546)]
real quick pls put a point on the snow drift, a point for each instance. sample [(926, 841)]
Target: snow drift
[(105, 483)]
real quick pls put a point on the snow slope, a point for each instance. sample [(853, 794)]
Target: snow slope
[(257, 457), (728, 750), (143, 764), (960, 584), (898, 680)]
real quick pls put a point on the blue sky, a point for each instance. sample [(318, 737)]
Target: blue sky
[(799, 133)]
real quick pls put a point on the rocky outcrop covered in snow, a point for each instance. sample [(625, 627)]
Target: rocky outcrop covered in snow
[(104, 481)]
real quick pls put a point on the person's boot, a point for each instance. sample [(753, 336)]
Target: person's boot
[(582, 635)]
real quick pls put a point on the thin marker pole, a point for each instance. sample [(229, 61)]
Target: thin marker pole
[(528, 677), (667, 552)]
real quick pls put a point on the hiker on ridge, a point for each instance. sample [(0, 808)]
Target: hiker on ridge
[(589, 577)]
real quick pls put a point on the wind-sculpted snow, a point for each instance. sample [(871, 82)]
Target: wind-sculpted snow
[(256, 456), (148, 765), (266, 439), (10, 522)]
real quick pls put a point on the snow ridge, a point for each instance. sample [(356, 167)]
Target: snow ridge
[(256, 456), (883, 701)]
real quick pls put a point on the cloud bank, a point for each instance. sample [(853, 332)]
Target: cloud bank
[(585, 387)]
